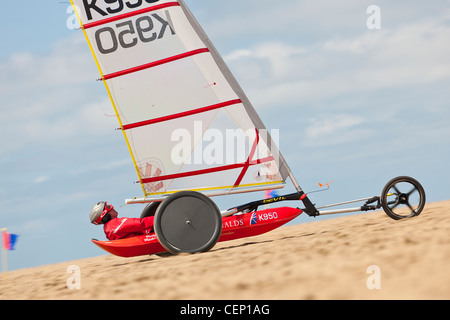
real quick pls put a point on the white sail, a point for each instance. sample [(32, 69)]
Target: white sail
[(175, 99)]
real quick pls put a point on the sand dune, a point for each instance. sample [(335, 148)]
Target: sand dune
[(332, 259)]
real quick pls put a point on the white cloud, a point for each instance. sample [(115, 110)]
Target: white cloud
[(52, 98), (105, 165), (66, 64), (267, 62), (413, 54), (238, 54), (38, 226), (257, 19), (41, 179), (362, 44), (332, 124), (277, 73), (335, 129)]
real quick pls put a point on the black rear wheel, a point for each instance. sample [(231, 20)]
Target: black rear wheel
[(150, 209), (188, 222), (403, 197)]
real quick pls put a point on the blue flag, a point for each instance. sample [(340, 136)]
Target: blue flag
[(12, 241)]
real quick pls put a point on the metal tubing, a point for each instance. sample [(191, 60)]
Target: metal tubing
[(322, 213), (342, 203), (294, 182), (229, 212)]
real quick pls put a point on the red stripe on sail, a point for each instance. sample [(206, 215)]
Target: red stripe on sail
[(206, 171), (247, 163), (129, 14), (155, 63), (181, 114)]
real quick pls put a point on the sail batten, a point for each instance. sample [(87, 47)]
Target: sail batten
[(155, 63), (181, 114), (186, 121), (244, 165)]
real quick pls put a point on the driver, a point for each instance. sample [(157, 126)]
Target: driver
[(119, 228)]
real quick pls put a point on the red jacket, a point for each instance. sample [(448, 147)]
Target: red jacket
[(121, 228)]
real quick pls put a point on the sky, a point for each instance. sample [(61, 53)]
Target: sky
[(354, 102)]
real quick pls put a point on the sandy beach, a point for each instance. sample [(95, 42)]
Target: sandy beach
[(364, 256)]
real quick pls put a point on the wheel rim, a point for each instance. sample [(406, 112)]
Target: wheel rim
[(188, 222), (403, 198)]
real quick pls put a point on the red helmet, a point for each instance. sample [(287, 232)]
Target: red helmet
[(99, 212)]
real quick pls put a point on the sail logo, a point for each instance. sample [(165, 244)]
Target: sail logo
[(152, 169), (115, 6)]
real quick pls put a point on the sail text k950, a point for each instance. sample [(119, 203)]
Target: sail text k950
[(128, 33)]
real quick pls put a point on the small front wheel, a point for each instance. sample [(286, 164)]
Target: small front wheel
[(403, 197)]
